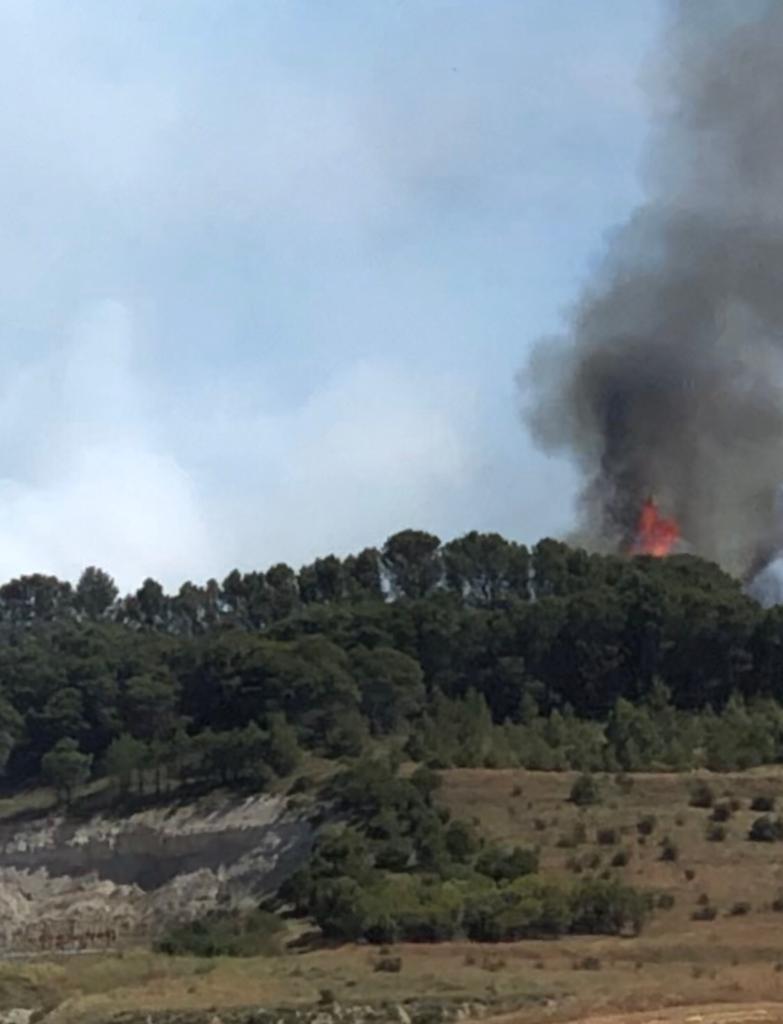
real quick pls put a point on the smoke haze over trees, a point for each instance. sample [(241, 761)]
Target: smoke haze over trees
[(670, 379)]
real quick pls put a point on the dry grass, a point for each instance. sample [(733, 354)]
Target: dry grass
[(677, 961)]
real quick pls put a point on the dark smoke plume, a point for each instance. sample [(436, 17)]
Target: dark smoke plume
[(670, 379)]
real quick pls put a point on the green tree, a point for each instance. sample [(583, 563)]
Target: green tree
[(65, 768), (95, 592)]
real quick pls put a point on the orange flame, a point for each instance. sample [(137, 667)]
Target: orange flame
[(655, 535)]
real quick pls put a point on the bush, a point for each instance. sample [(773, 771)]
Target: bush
[(388, 964), (766, 830), (224, 934), (620, 859), (739, 909), (669, 850), (645, 826), (715, 833), (721, 812), (701, 794), (706, 913), (763, 803), (606, 837), (665, 901), (506, 865), (584, 791)]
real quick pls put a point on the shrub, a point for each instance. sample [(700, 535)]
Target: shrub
[(606, 837), (584, 791), (763, 803), (388, 964), (739, 909), (765, 830), (539, 825), (777, 904), (620, 859), (669, 849), (506, 865), (706, 913), (690, 874), (224, 934), (645, 826), (665, 901), (701, 794), (715, 833), (720, 812), (592, 861)]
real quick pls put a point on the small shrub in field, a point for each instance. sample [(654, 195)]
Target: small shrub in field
[(620, 859), (326, 997), (516, 791), (388, 964), (592, 861), (777, 904), (735, 805), (739, 909), (584, 791), (766, 830), (701, 794), (720, 812), (665, 901), (763, 803), (707, 913), (539, 825), (669, 850), (716, 833), (645, 826), (606, 837), (703, 899), (679, 821), (690, 874)]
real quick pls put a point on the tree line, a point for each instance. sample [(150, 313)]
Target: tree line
[(478, 652)]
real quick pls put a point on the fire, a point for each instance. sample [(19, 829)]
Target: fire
[(655, 535)]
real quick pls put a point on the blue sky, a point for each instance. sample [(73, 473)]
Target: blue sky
[(267, 269)]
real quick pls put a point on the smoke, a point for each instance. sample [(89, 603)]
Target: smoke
[(670, 379)]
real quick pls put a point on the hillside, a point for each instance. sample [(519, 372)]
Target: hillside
[(470, 777)]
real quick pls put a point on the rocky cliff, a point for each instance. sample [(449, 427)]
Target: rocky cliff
[(99, 883)]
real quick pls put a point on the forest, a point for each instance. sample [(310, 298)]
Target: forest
[(475, 652)]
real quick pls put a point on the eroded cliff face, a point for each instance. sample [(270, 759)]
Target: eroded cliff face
[(104, 882)]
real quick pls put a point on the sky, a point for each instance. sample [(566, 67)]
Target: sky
[(268, 268)]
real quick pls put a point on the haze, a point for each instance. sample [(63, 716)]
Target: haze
[(267, 269)]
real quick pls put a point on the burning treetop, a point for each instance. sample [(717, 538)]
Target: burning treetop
[(655, 534)]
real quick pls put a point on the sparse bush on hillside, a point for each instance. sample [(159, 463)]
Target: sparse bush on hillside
[(704, 913), (766, 830), (739, 909), (585, 791), (665, 901), (645, 826), (715, 833), (721, 812), (701, 794), (763, 803), (669, 849), (620, 859), (606, 837)]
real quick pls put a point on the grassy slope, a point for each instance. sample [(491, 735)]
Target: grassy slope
[(677, 960)]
